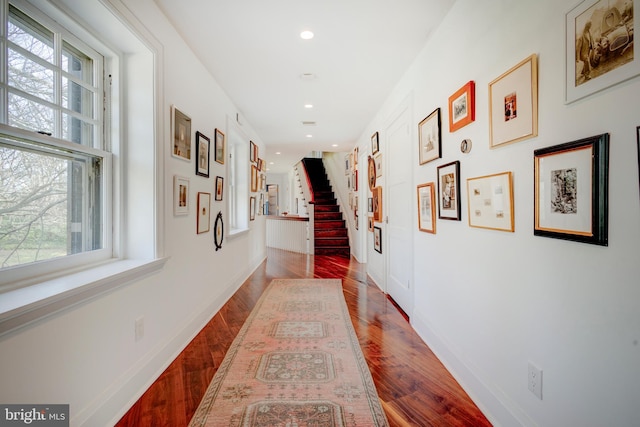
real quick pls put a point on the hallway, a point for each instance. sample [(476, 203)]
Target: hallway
[(413, 385)]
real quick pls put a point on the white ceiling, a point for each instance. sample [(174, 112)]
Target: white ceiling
[(253, 49)]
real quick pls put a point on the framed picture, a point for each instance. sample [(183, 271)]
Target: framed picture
[(254, 179), (427, 207), (218, 231), (354, 180), (377, 204), (219, 146), (430, 137), (253, 151), (449, 191), (260, 206), (378, 160), (219, 187), (571, 191), (370, 223), (490, 201), (180, 195), (181, 131), (202, 154), (347, 165), (371, 172), (377, 239), (204, 212), (462, 107), (375, 143), (252, 208), (513, 104), (600, 50), (370, 205)]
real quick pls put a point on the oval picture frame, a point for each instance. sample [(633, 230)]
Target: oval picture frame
[(218, 231), (371, 170)]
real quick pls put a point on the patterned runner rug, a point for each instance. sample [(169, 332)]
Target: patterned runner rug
[(296, 362)]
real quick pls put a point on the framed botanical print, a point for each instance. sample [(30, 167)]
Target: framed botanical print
[(427, 207), (571, 191), (513, 104), (377, 239), (219, 146), (204, 212), (180, 195), (430, 138), (462, 107), (181, 131), (202, 154), (449, 191), (219, 187), (490, 201)]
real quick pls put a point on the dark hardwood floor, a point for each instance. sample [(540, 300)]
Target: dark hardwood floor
[(415, 388)]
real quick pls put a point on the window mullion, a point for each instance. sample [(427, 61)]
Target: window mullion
[(57, 84)]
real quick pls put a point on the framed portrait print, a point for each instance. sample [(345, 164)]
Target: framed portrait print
[(219, 146), (600, 49), (427, 207), (180, 195), (430, 137), (371, 172), (204, 212), (181, 131), (571, 191), (449, 191), (513, 104), (490, 201), (219, 188), (377, 204), (202, 154), (377, 239), (462, 107)]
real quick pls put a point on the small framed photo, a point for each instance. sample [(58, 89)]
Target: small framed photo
[(371, 172), (370, 223), (377, 239), (202, 154), (204, 212), (181, 131), (370, 205), (252, 208), (490, 201), (600, 48), (219, 188), (571, 191), (219, 146), (513, 104), (462, 107), (180, 195), (377, 204), (253, 151), (375, 143), (430, 137), (378, 161), (449, 191), (427, 207), (354, 180)]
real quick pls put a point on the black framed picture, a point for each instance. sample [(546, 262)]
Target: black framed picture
[(377, 239), (449, 191), (572, 191), (219, 146), (202, 154), (375, 143)]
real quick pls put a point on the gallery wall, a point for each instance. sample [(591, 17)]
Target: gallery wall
[(87, 355), (491, 302)]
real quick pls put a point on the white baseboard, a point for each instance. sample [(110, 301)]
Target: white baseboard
[(494, 404)]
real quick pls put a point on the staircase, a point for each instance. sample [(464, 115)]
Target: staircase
[(330, 231)]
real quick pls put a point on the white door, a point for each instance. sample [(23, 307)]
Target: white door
[(400, 208)]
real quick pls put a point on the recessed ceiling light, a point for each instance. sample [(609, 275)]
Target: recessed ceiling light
[(306, 35), (277, 152), (309, 136), (334, 145), (308, 105), (271, 163)]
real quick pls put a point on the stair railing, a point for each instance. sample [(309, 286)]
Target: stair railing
[(307, 192)]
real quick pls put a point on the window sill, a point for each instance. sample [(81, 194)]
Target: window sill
[(237, 232), (26, 305)]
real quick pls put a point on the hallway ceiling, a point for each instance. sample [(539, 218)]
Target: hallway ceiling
[(253, 48)]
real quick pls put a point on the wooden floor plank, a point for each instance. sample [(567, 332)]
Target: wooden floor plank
[(413, 385)]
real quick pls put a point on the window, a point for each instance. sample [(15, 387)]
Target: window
[(238, 181), (53, 159)]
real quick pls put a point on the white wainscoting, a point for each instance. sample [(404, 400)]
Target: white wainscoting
[(288, 233)]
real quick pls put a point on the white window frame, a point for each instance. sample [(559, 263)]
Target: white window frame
[(137, 243), (239, 180)]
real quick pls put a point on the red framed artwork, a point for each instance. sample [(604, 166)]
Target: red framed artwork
[(462, 107)]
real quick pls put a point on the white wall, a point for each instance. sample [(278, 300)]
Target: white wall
[(86, 355), (488, 302)]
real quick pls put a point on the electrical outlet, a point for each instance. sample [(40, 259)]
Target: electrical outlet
[(535, 380), (139, 328)]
